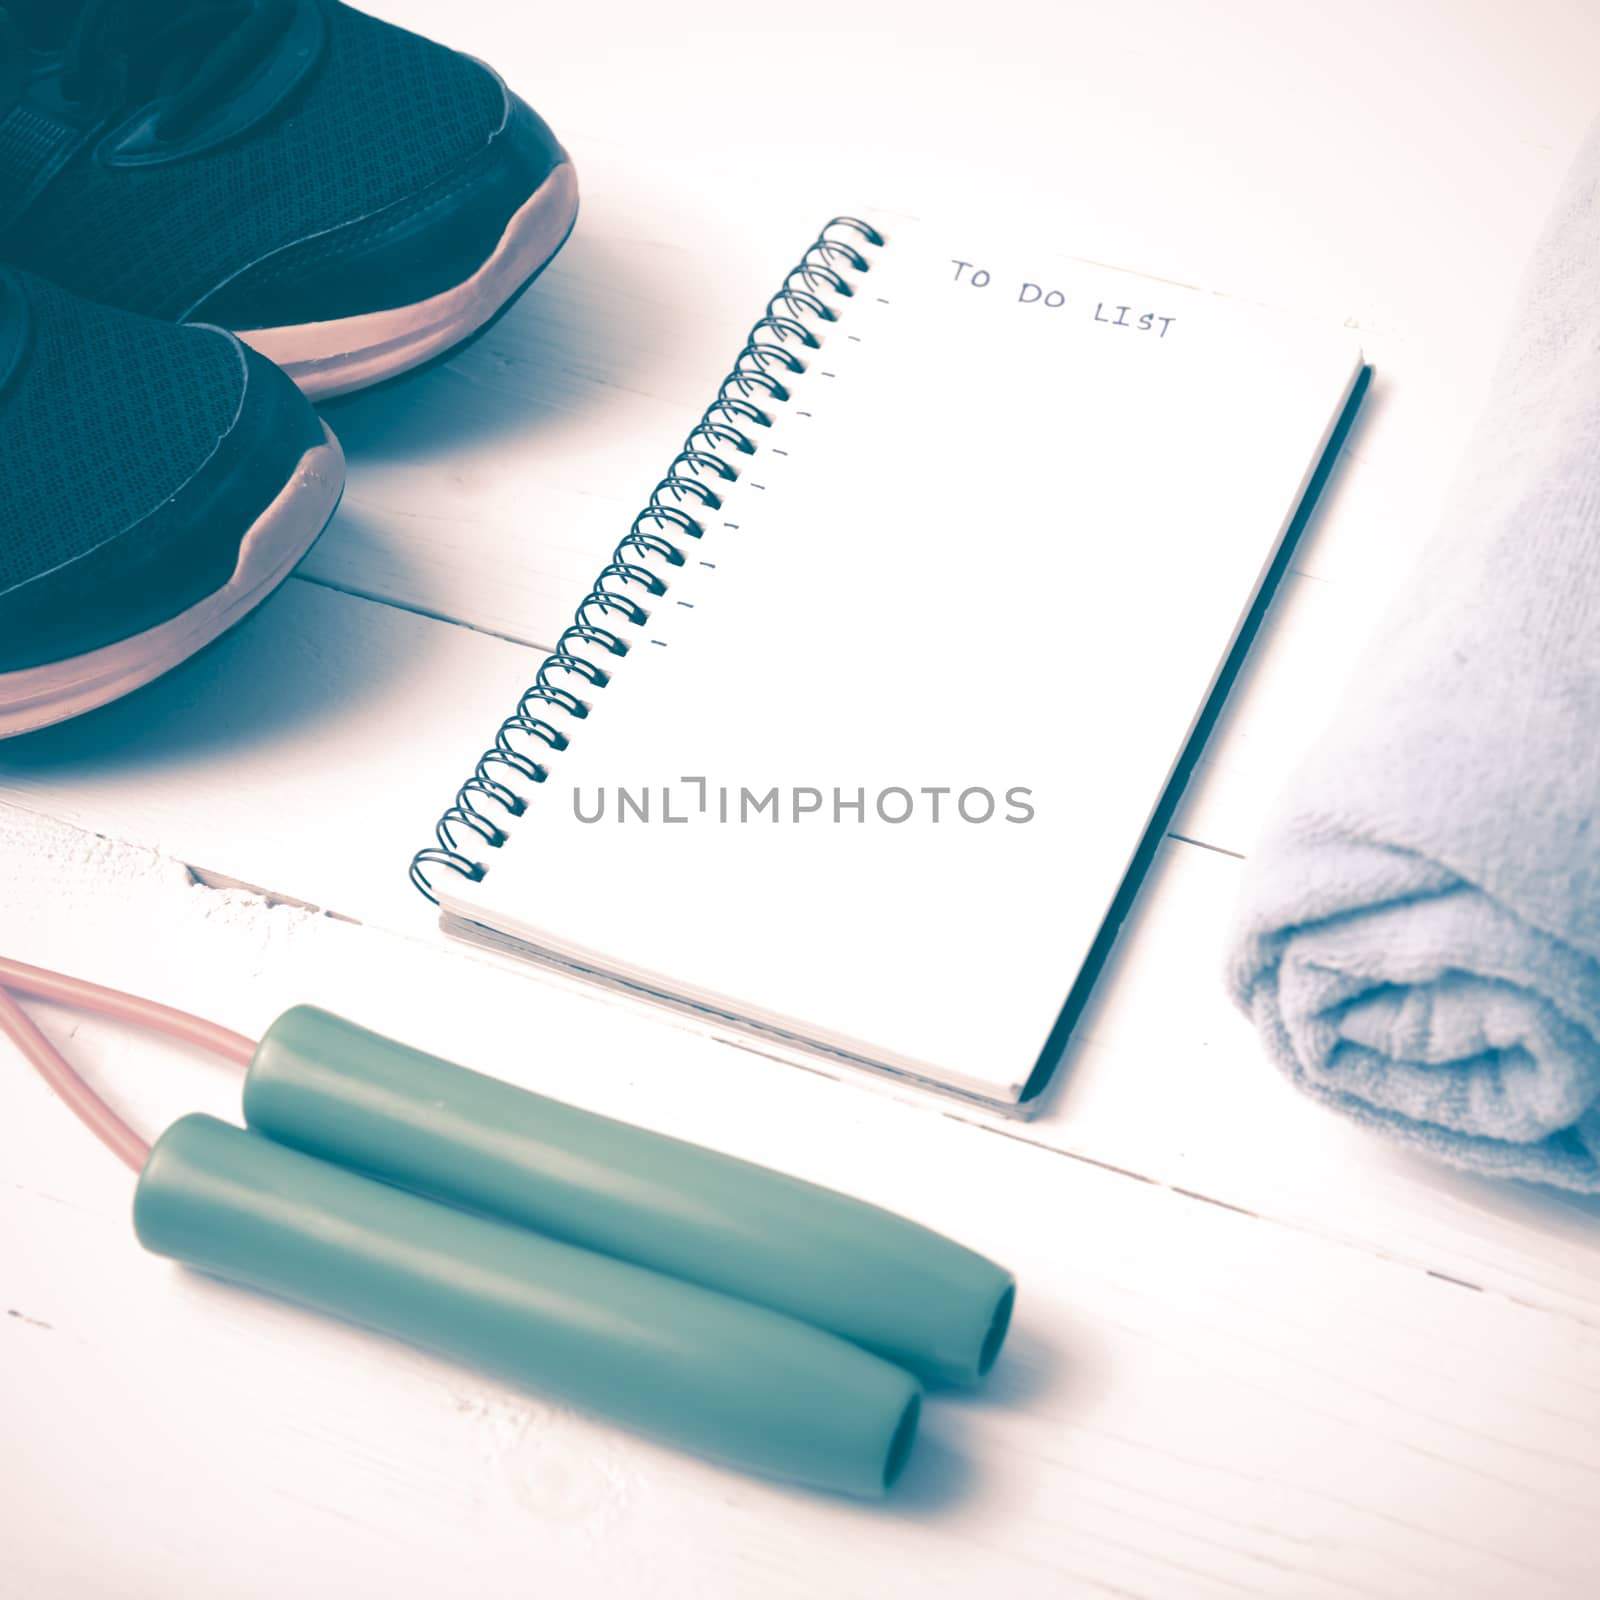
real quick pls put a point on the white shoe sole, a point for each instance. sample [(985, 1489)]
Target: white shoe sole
[(35, 697), (332, 358)]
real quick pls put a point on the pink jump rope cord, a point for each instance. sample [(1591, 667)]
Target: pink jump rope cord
[(57, 1071)]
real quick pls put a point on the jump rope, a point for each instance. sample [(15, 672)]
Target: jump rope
[(732, 1310)]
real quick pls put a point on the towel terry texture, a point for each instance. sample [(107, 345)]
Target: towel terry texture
[(1419, 935)]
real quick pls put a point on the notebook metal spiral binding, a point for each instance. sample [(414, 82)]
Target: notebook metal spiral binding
[(485, 802)]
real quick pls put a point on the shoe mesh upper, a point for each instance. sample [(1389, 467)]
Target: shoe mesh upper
[(382, 115), (110, 416)]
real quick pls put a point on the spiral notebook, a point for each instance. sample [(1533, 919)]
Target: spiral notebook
[(864, 736)]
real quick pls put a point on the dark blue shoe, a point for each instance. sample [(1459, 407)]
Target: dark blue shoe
[(156, 483), (352, 199)]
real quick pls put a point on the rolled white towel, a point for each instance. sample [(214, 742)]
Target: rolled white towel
[(1419, 934)]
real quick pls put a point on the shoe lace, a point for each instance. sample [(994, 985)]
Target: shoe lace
[(188, 54)]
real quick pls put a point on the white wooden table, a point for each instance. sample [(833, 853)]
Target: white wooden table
[(1256, 1351)]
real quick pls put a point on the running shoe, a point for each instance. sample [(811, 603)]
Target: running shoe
[(156, 483), (351, 199)]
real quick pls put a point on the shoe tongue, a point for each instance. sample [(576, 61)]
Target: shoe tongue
[(45, 24)]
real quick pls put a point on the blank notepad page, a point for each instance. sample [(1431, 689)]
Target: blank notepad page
[(874, 769)]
